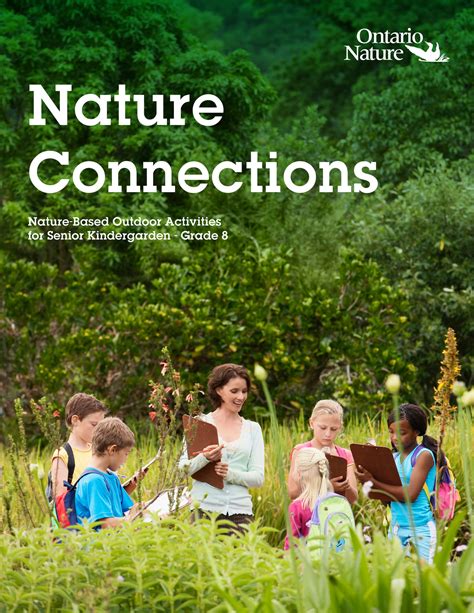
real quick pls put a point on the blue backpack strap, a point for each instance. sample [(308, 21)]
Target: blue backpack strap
[(91, 471), (415, 454)]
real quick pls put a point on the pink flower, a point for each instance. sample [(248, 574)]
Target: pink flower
[(152, 415), (189, 398), (164, 367), (56, 414), (168, 389), (165, 407)]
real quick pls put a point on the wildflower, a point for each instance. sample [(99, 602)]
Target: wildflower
[(367, 487), (152, 415), (260, 373), (165, 407), (164, 368), (392, 384), (56, 413), (189, 398), (176, 392), (367, 538), (460, 548), (38, 469), (468, 398), (120, 579), (459, 387), (168, 389)]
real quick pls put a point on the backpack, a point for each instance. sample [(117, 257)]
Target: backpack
[(331, 523), (71, 465), (448, 495), (64, 508)]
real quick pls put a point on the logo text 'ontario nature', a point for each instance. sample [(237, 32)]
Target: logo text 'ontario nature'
[(370, 47)]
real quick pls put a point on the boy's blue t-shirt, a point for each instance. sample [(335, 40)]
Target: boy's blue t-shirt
[(421, 508), (94, 501)]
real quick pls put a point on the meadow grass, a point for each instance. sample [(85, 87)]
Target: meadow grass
[(173, 565)]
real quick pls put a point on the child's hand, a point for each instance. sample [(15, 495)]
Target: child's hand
[(363, 475), (138, 476), (135, 511), (340, 484), (222, 469)]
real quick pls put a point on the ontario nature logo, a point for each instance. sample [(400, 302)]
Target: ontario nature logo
[(392, 46)]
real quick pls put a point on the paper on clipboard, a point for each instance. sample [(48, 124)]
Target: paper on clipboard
[(144, 467), (380, 463), (167, 502)]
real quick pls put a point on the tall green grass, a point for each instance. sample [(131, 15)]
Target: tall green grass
[(175, 566)]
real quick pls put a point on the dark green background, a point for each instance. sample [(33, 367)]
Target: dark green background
[(330, 292)]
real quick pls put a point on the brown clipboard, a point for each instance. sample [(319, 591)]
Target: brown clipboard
[(380, 463), (200, 434), (337, 466)]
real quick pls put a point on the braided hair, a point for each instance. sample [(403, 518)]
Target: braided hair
[(416, 417), (313, 469)]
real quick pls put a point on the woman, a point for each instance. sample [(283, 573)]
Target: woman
[(239, 454)]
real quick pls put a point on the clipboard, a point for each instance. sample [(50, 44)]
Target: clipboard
[(337, 466), (200, 434), (144, 467), (378, 461)]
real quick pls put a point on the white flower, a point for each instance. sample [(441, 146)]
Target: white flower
[(460, 548), (468, 398), (367, 538), (366, 488), (38, 469), (459, 387), (120, 579), (392, 384), (260, 373)]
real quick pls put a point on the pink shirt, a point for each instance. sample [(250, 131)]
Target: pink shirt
[(299, 518)]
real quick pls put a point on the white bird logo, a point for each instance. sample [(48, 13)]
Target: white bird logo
[(428, 55)]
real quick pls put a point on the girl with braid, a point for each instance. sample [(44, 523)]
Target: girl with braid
[(312, 470), (416, 464)]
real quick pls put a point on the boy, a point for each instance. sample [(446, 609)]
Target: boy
[(99, 496), (83, 413)]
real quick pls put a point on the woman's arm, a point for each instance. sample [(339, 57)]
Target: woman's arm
[(253, 476), (421, 469), (212, 453)]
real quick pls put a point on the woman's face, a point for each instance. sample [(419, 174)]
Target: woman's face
[(325, 429), (233, 394)]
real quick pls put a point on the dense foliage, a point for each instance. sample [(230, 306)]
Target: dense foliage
[(329, 291)]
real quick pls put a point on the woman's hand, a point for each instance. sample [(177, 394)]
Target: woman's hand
[(222, 469), (340, 484), (363, 475), (213, 453)]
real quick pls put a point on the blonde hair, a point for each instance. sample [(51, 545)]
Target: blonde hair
[(313, 469), (111, 431), (327, 407)]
